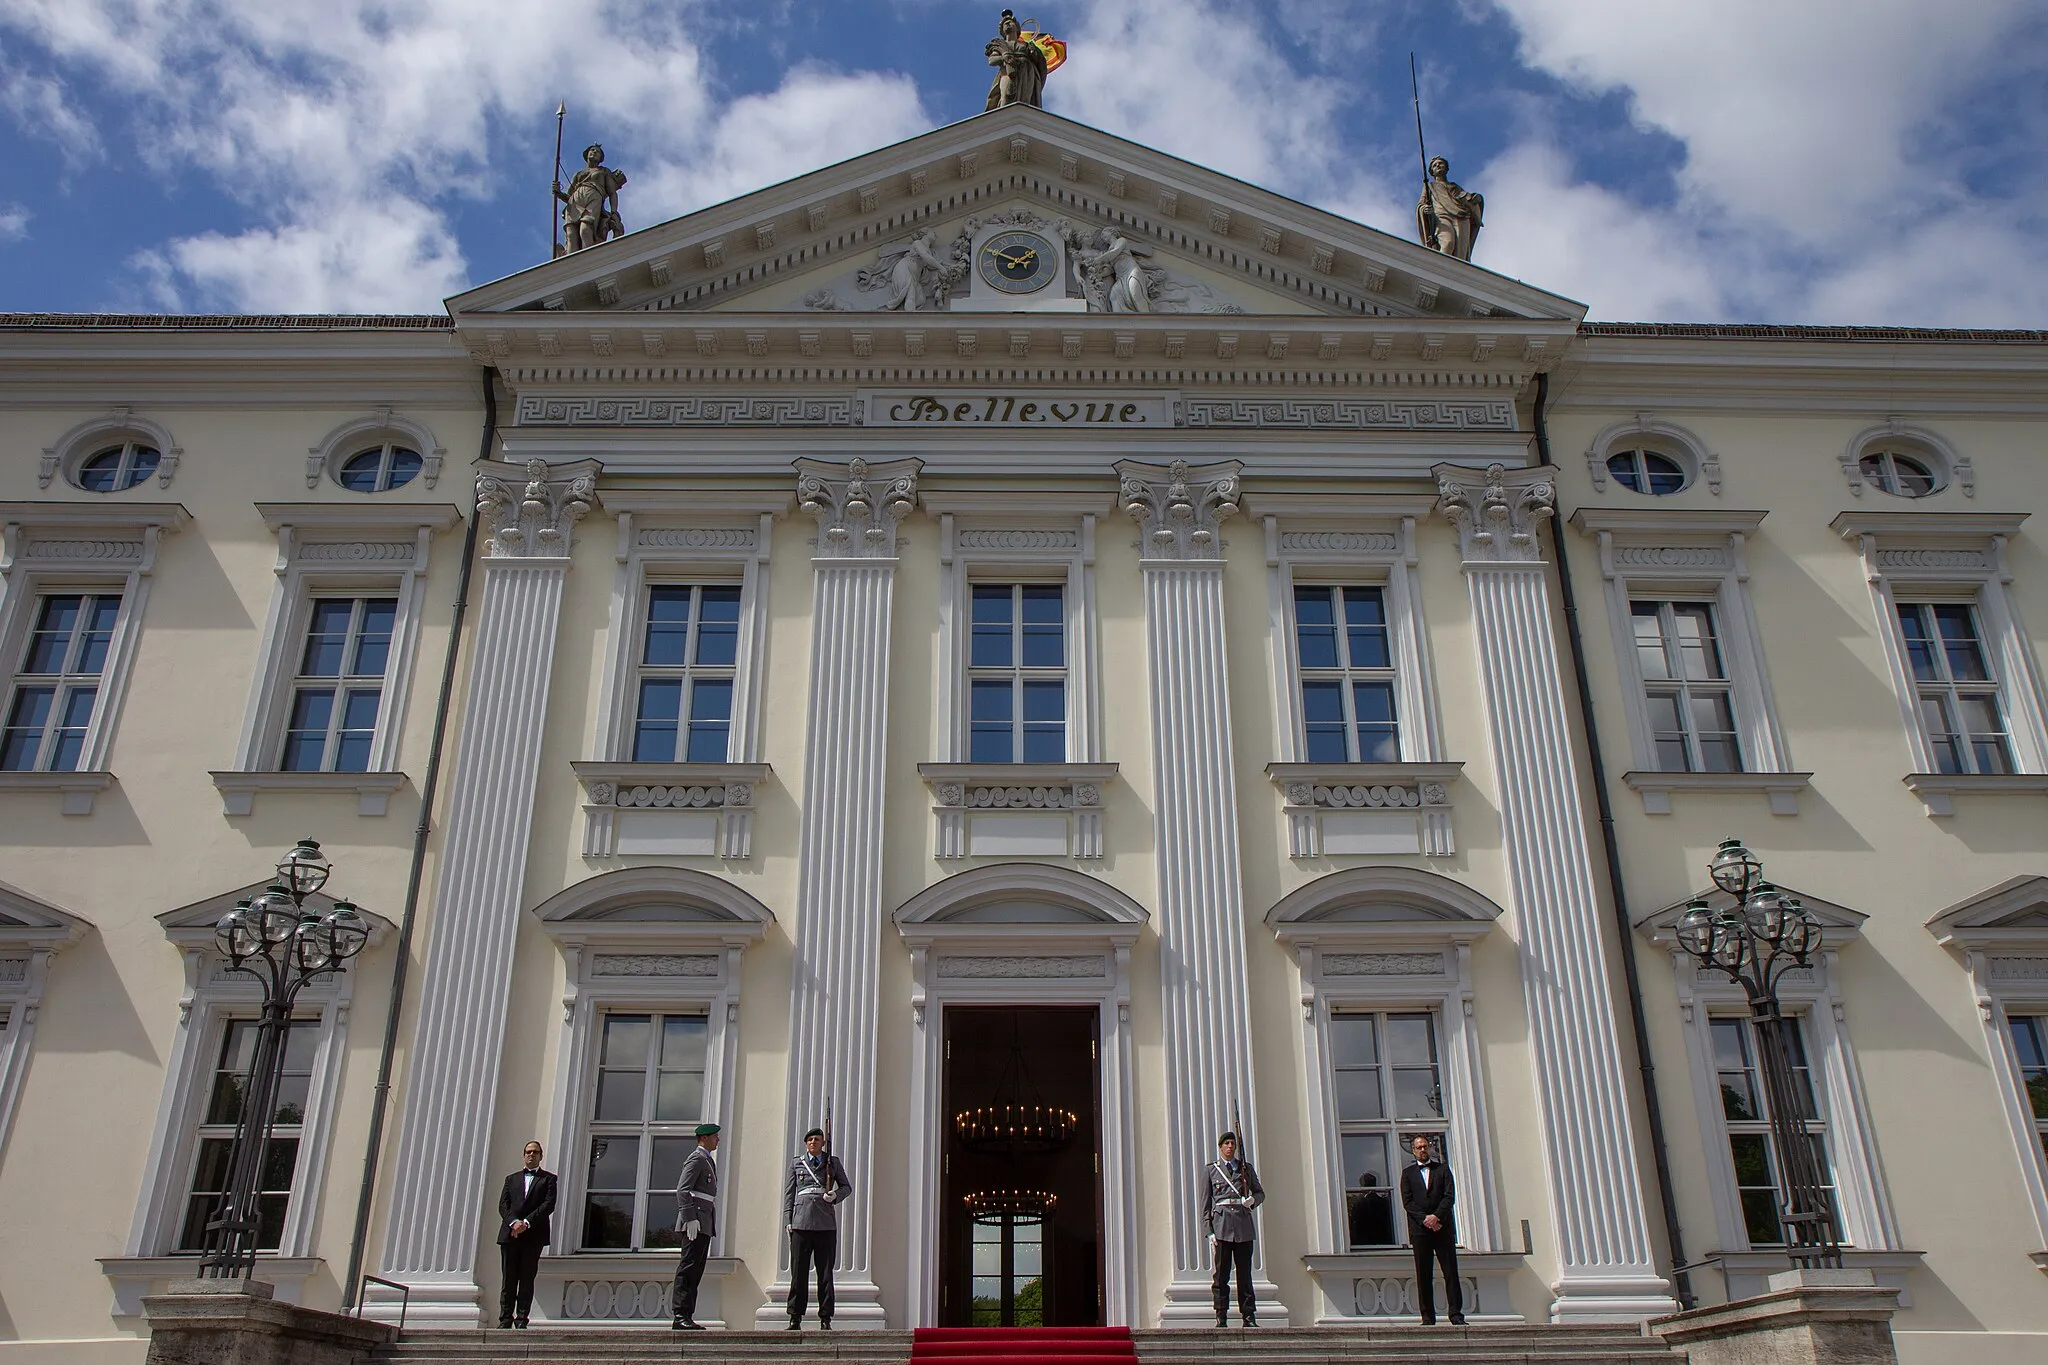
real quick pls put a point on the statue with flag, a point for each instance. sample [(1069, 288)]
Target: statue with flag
[(1023, 57)]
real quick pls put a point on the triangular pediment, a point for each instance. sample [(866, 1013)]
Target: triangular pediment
[(1838, 923), (794, 253), (29, 922), (193, 925), (2014, 911)]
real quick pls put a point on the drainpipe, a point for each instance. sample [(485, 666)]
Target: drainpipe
[(381, 1097), (1646, 1069)]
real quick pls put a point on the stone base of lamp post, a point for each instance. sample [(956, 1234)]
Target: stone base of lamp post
[(237, 1322), (1806, 1317)]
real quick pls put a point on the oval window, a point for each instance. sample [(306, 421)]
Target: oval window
[(118, 467), (1646, 471), (1899, 474), (380, 470)]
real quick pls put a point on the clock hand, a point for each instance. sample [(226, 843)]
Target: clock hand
[(1025, 259)]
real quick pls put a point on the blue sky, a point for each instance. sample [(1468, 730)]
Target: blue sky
[(1831, 161)]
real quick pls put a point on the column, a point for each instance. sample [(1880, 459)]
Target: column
[(440, 1196), (834, 1000), (1200, 898), (1606, 1271)]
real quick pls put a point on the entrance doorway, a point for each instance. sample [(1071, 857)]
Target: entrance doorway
[(1020, 1199)]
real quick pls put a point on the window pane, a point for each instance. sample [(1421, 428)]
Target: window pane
[(1352, 1041), (358, 728), (305, 740), (1623, 467), (625, 1040), (373, 646), (1322, 706), (1965, 655), (621, 1095), (1045, 626), (1942, 738), (1760, 1217), (1315, 627), (668, 626), (991, 699), (614, 1162), (1045, 743), (1365, 618), (1045, 700), (326, 637), (405, 467), (1411, 1039), (1665, 474), (1919, 648), (1358, 1094), (1379, 738), (718, 626), (98, 634), (25, 722), (683, 1040), (1649, 634), (2027, 1042), (711, 699), (991, 636), (1365, 1162), (608, 1222), (1713, 721), (1416, 1094), (654, 735), (359, 474), (1698, 653), (679, 1097)]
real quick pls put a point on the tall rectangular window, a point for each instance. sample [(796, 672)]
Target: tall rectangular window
[(1017, 673), (1389, 1087), (2030, 1042), (1745, 1106), (58, 682), (215, 1143), (1958, 692), (649, 1095), (683, 693), (1686, 686), (1345, 654), (340, 685)]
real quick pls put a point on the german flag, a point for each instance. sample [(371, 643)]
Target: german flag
[(1054, 49)]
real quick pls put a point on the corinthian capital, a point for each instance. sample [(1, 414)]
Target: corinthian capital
[(1180, 507), (857, 505), (530, 510), (1496, 512)]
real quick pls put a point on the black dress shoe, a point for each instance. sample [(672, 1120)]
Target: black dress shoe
[(1458, 1321), (519, 1324), (1429, 1322), (824, 1324), (1250, 1321), (795, 1325), (1221, 1321), (504, 1324)]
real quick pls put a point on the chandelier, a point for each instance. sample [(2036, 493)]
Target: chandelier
[(996, 1207), (1015, 1120)]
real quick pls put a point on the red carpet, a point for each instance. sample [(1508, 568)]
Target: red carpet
[(1023, 1346)]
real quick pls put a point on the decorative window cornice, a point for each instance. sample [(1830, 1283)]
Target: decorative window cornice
[(1367, 808), (1017, 809), (75, 446), (357, 434), (674, 809)]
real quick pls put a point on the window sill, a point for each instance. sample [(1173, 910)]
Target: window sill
[(1379, 1286), (76, 791), (1938, 790), (623, 1286), (1367, 808), (372, 790), (1746, 1274), (1030, 810), (702, 810), (1781, 789), (134, 1277)]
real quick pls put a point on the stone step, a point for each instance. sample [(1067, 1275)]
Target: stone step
[(1503, 1344)]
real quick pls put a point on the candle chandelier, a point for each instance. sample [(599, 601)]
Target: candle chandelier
[(1016, 1120), (996, 1207)]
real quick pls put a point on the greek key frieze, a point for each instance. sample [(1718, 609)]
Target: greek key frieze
[(1354, 414), (655, 964), (1004, 968), (702, 410)]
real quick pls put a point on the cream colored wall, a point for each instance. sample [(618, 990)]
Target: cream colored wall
[(157, 840), (1860, 838)]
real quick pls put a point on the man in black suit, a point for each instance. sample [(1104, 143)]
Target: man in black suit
[(1428, 1194), (524, 1207)]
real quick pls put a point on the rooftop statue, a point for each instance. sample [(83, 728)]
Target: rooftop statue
[(1447, 216), (1020, 66), (590, 206)]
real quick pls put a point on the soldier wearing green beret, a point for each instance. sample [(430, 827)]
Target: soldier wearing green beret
[(697, 1220)]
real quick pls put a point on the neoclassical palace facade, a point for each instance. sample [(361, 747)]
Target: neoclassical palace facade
[(829, 655)]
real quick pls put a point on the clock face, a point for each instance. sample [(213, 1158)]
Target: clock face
[(1017, 262)]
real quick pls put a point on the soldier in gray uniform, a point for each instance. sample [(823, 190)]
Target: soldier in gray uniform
[(697, 1220), (1233, 1192), (811, 1194)]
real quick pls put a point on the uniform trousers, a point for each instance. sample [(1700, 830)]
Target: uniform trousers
[(806, 1247), (1240, 1255), (689, 1273), (1443, 1245)]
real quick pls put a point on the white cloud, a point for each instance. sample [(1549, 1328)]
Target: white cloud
[(13, 222), (349, 128)]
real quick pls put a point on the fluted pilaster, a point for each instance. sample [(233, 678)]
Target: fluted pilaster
[(1606, 1268), (834, 1001), (439, 1188)]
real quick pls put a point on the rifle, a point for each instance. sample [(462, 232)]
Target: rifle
[(829, 1182)]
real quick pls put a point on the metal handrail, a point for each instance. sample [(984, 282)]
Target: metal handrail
[(404, 1295)]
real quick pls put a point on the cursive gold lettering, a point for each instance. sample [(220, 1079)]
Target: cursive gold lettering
[(1029, 413), (1128, 413)]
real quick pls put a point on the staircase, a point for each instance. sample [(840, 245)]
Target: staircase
[(1508, 1344)]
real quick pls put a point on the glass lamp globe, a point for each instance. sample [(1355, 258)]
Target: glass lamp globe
[(1731, 946), (1764, 909), (312, 946), (1695, 931), (1734, 868), (346, 930), (237, 933), (304, 869), (1802, 930)]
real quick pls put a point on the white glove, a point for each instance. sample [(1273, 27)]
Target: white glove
[(691, 1229), (830, 1197)]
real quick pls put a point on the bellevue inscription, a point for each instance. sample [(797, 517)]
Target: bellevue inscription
[(994, 409)]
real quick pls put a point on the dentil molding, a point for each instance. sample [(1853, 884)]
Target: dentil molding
[(857, 505), (1181, 507), (1496, 513)]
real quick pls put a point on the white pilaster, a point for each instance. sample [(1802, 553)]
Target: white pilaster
[(834, 1003), (1201, 900), (439, 1187), (1606, 1269)]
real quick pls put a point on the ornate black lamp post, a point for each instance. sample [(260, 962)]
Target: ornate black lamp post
[(282, 942), (1756, 940)]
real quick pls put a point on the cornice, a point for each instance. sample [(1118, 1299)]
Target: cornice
[(358, 516), (1340, 506), (102, 512), (1850, 525), (1672, 521)]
